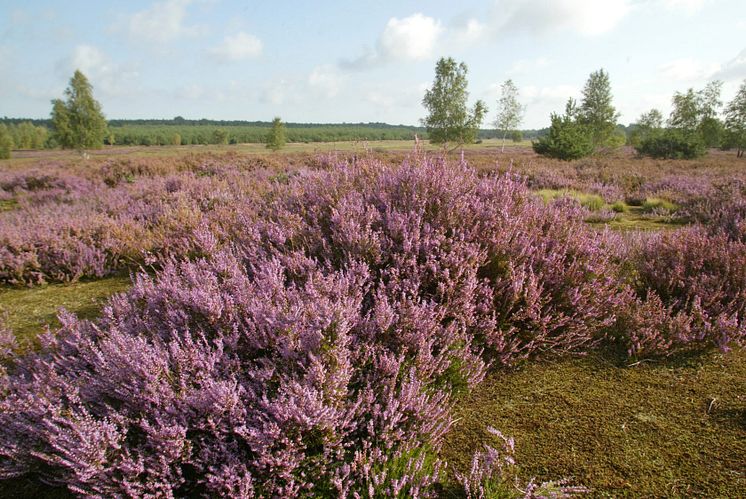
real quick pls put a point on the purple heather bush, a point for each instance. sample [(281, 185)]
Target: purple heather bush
[(305, 334), (695, 285)]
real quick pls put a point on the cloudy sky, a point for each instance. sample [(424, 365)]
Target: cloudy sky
[(324, 61)]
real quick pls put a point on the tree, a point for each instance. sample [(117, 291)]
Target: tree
[(509, 110), (596, 111), (735, 120), (568, 139), (219, 136), (276, 135), (695, 114), (78, 122), (6, 142), (449, 120), (648, 125)]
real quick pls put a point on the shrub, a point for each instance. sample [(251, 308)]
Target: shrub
[(567, 140), (672, 144), (700, 281)]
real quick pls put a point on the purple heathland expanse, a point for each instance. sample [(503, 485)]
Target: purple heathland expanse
[(305, 334)]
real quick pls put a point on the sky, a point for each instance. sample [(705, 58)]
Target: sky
[(334, 61)]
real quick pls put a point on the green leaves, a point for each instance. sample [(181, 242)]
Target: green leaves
[(449, 120), (276, 135), (78, 122)]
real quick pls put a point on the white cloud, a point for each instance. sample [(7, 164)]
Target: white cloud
[(688, 69), (325, 80), (396, 97), (688, 6), (522, 66), (162, 22), (408, 39), (470, 31), (585, 17), (733, 69), (555, 92), (238, 47), (110, 78), (278, 92)]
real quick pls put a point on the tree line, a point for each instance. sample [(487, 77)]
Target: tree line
[(590, 126), (695, 124)]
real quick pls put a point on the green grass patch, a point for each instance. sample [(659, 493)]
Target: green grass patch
[(592, 202), (635, 219), (8, 204), (620, 207), (31, 309), (658, 429), (658, 204)]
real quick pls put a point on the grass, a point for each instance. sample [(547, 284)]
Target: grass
[(31, 309), (30, 157), (659, 205), (593, 202), (635, 218), (658, 429)]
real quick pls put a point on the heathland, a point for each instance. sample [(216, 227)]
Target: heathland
[(372, 317)]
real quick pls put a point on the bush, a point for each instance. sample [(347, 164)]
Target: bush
[(698, 282), (567, 140), (308, 341), (672, 144)]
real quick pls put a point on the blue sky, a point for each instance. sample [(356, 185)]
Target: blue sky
[(330, 61)]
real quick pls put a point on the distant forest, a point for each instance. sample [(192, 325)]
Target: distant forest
[(203, 131)]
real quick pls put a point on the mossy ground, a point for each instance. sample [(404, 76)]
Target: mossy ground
[(674, 428), (30, 310)]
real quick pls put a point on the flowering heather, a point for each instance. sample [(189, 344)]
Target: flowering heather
[(305, 333)]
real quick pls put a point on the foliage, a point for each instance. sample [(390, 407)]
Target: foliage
[(694, 114), (672, 143), (276, 135), (304, 333), (516, 136), (219, 136), (509, 110), (449, 120), (78, 122), (649, 124), (596, 111), (6, 142), (735, 120), (567, 139)]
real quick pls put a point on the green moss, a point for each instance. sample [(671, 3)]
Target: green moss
[(653, 430), (31, 309)]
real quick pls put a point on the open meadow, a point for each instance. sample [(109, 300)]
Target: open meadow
[(372, 318)]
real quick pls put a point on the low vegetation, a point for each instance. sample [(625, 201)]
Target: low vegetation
[(360, 308)]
